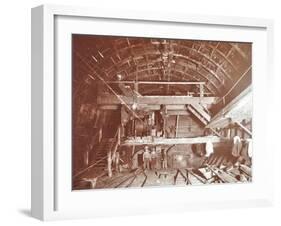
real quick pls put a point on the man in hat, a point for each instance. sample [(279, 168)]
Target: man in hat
[(146, 158)]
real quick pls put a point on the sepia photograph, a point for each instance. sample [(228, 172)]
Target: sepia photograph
[(150, 112)]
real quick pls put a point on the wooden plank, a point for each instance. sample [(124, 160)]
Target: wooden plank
[(224, 176), (201, 111), (215, 132), (177, 124), (201, 90), (220, 123), (246, 169), (178, 112), (154, 107), (196, 114), (244, 128), (170, 141), (154, 100)]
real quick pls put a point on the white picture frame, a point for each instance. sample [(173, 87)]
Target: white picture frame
[(52, 197)]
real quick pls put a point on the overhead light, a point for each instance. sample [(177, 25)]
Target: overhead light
[(180, 157), (134, 106), (119, 77)]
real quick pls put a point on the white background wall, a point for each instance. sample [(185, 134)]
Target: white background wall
[(15, 112)]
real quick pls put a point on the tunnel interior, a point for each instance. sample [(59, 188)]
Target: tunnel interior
[(186, 101)]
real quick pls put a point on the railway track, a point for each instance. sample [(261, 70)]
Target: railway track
[(129, 181)]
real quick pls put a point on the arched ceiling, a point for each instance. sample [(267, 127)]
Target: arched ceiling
[(219, 64)]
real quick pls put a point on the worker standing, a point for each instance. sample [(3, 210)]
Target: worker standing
[(146, 158), (164, 159), (153, 159)]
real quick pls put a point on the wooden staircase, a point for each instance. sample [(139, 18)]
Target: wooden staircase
[(199, 112), (101, 152)]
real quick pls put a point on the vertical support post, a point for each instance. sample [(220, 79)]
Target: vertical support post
[(86, 158), (131, 157), (201, 90), (164, 126), (228, 133), (153, 118), (164, 116), (136, 87), (119, 135), (134, 128), (177, 125), (109, 162), (100, 134)]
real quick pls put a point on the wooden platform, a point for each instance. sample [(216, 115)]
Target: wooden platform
[(170, 141)]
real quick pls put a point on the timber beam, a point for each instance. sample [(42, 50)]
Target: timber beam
[(170, 141), (154, 100), (171, 109), (153, 107), (244, 128)]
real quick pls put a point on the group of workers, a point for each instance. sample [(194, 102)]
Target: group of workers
[(150, 158)]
